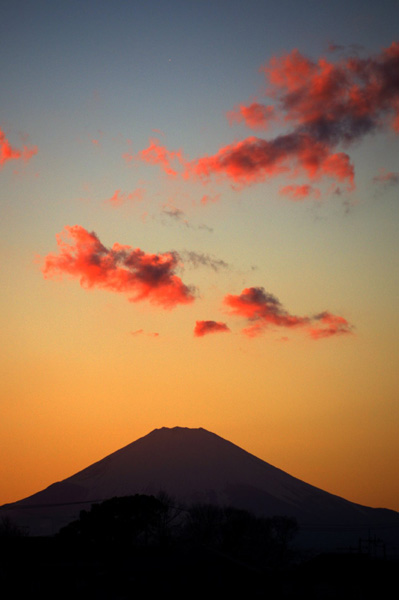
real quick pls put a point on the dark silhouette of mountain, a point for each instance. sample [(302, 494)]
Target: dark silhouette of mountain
[(197, 466)]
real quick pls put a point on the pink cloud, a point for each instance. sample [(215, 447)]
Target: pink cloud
[(204, 327), (7, 152), (263, 310), (121, 269)]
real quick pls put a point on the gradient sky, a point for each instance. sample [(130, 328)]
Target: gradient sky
[(199, 216)]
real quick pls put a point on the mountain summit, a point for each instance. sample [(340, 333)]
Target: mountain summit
[(191, 466)]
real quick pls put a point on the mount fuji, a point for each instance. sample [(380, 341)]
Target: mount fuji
[(197, 466)]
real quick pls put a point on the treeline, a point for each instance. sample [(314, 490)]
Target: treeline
[(138, 545), (136, 522)]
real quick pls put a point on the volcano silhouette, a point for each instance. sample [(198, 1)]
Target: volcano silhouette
[(192, 466)]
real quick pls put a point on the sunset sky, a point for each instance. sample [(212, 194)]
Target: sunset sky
[(199, 227)]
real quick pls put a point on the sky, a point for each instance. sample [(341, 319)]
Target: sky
[(199, 215)]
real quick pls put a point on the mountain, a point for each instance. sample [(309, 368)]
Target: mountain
[(197, 466)]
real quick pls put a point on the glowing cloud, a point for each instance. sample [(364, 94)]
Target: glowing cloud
[(120, 269), (7, 152), (262, 310), (204, 327)]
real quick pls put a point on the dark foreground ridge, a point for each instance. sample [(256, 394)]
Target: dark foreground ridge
[(195, 466)]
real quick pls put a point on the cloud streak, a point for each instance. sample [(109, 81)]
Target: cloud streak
[(120, 269), (179, 216), (119, 198), (201, 259), (264, 310)]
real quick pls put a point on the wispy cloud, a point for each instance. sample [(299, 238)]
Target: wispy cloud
[(176, 214), (201, 259), (179, 216), (120, 269), (205, 327), (119, 198), (264, 310)]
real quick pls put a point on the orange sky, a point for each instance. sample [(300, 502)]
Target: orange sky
[(199, 228)]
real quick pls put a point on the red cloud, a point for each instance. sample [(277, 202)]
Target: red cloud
[(336, 102), (255, 159), (262, 309), (324, 104), (204, 327), (255, 116), (119, 269), (120, 198), (8, 153), (300, 192)]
